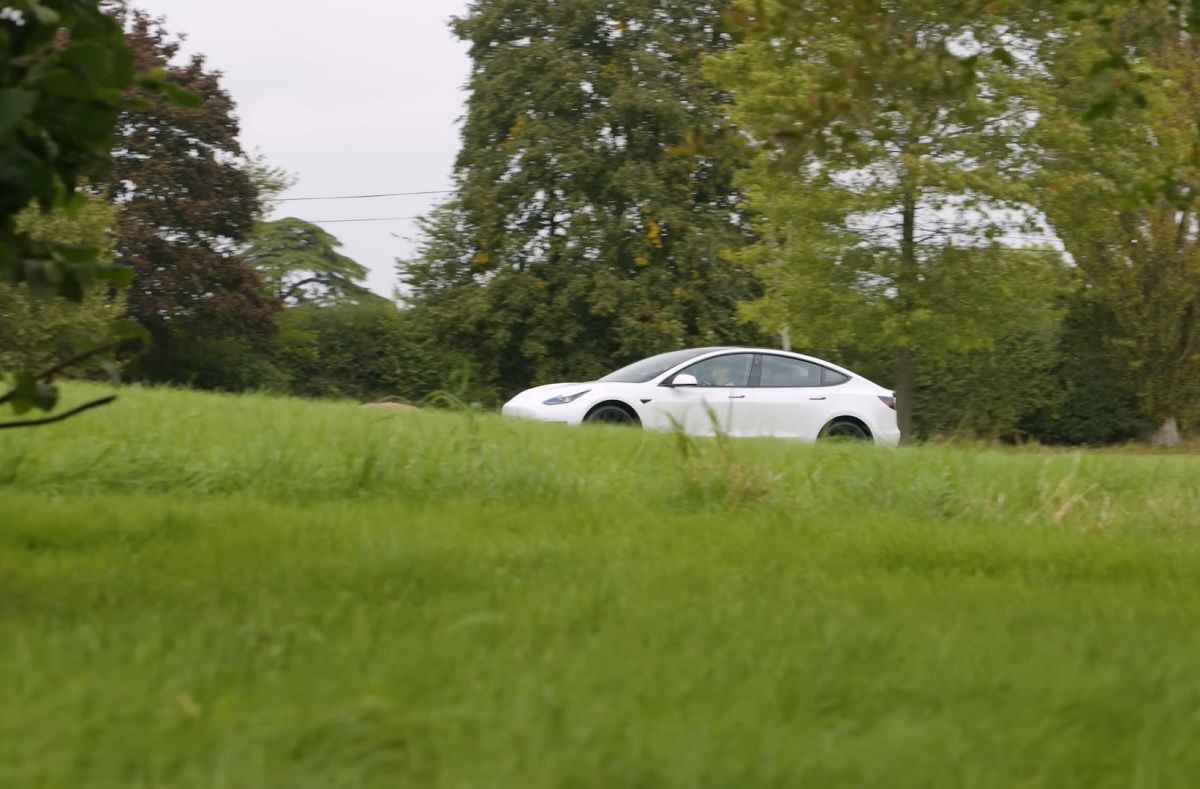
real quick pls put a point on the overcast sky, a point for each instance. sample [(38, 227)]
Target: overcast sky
[(353, 97)]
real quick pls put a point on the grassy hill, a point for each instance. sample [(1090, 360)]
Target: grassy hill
[(203, 591)]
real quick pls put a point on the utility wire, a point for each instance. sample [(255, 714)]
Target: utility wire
[(362, 197), (369, 219)]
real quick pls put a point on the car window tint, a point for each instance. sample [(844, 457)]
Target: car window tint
[(649, 369), (728, 370), (833, 378), (781, 371)]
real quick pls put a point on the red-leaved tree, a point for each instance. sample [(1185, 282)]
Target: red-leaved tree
[(187, 201)]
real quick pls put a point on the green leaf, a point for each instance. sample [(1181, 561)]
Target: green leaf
[(1104, 108), (119, 276), (24, 392), (130, 330), (44, 15), (45, 395), (181, 97), (16, 105)]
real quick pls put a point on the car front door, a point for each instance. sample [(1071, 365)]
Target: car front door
[(711, 404), (787, 399)]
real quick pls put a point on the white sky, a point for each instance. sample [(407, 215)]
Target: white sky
[(353, 97)]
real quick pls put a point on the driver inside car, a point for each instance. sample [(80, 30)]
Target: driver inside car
[(725, 373)]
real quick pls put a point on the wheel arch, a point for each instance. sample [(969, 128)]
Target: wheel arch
[(612, 401), (847, 418)]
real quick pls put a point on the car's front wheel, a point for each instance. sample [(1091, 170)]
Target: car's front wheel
[(611, 414), (844, 430)]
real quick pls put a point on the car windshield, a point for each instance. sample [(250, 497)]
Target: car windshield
[(649, 369)]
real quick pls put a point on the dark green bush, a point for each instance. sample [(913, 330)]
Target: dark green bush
[(365, 352)]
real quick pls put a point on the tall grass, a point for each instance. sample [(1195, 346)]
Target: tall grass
[(160, 441), (201, 590)]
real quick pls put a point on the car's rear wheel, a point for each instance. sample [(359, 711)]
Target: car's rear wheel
[(844, 430), (611, 414)]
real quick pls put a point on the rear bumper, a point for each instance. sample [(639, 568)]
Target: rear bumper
[(887, 438)]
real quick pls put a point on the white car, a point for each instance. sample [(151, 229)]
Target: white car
[(738, 391)]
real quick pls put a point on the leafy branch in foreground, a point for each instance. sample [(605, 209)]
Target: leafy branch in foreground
[(38, 391), (64, 71)]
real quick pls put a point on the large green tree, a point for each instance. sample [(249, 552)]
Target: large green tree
[(893, 152), (595, 193), (189, 200), (1122, 190)]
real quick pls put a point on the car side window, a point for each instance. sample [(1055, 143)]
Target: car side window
[(832, 377), (779, 371), (725, 371)]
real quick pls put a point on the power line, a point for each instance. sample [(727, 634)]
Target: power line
[(369, 219), (362, 197)]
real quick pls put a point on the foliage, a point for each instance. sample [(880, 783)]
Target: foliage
[(1098, 401), (365, 352), (1123, 192), (269, 180), (187, 203), (892, 136), (64, 69), (992, 392), (223, 364), (63, 72), (594, 192), (430, 600), (35, 332), (300, 264)]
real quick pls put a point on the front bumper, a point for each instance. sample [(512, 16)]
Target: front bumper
[(539, 413)]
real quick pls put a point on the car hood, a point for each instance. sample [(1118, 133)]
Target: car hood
[(550, 390)]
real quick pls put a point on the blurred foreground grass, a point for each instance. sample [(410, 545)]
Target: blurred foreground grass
[(201, 590)]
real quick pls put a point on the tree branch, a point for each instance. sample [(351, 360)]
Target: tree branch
[(58, 417), (49, 374), (296, 286)]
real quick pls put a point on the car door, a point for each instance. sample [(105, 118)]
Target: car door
[(710, 405), (787, 398)]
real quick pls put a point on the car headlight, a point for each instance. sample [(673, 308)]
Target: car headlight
[(564, 399)]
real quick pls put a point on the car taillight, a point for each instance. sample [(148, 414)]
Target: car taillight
[(890, 402)]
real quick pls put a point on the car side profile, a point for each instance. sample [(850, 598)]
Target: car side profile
[(737, 391)]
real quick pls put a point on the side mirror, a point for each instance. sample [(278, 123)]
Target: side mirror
[(684, 379)]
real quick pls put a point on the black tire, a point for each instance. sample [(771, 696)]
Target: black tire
[(611, 414), (844, 430)]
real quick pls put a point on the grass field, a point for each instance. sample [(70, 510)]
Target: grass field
[(210, 591)]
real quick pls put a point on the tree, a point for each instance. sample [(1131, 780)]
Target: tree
[(35, 333), (892, 157), (993, 391), (1122, 190), (300, 264), (63, 72), (594, 191), (188, 202)]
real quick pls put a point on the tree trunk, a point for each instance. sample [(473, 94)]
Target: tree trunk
[(785, 339), (1167, 434), (905, 283), (904, 393)]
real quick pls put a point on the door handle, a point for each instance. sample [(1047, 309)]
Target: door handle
[(736, 397), (816, 398)]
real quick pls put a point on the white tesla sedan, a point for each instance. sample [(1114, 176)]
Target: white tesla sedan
[(738, 391)]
